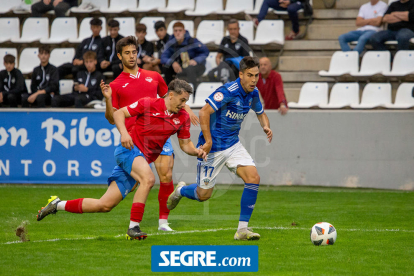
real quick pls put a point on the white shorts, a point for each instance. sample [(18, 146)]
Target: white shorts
[(232, 157)]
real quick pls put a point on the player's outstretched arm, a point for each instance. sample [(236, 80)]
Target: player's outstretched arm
[(107, 93), (194, 119), (188, 147), (204, 114), (119, 118), (264, 122)]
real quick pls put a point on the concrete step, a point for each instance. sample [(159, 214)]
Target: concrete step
[(309, 53), (296, 79), (312, 45), (304, 63), (334, 13), (292, 94), (327, 32), (329, 22), (351, 4)]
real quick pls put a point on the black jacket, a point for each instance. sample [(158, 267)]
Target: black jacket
[(92, 81), (91, 44), (240, 48), (46, 78), (12, 82), (72, 3), (109, 48), (160, 44)]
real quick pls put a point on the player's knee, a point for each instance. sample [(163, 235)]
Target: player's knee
[(149, 182), (166, 178), (204, 197), (255, 179)]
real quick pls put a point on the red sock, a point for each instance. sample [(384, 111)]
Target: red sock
[(137, 211), (165, 190), (74, 206)]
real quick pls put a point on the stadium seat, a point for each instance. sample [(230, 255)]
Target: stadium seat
[(188, 25), (85, 30), (375, 95), (210, 31), (312, 94), (149, 22), (210, 62), (374, 62), (342, 63), (342, 95), (257, 7), (204, 90), (246, 29), (60, 56), (5, 51), (403, 64), (175, 6), (126, 25), (118, 6), (269, 32), (10, 28), (62, 30), (28, 83), (34, 29), (236, 6), (28, 60), (65, 86), (89, 6), (148, 5), (404, 98), (205, 7), (7, 5)]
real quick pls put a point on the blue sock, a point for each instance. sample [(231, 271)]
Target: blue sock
[(248, 201), (190, 192)]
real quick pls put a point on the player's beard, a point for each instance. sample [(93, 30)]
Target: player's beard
[(130, 67)]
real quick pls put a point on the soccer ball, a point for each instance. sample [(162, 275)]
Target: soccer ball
[(323, 233)]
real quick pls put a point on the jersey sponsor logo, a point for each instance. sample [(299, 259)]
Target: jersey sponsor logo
[(176, 121), (238, 103), (234, 115), (148, 79), (125, 85), (218, 97), (93, 81), (133, 105), (155, 114)]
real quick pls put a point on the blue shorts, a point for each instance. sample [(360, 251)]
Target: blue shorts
[(123, 180), (167, 149)]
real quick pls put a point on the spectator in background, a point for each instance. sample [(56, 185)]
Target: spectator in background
[(111, 62), (12, 84), (145, 49), (400, 19), (233, 48), (45, 81), (270, 86), (184, 56), (59, 6), (87, 85), (93, 43), (163, 36), (369, 20)]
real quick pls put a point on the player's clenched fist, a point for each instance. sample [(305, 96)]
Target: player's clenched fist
[(201, 154), (269, 133), (126, 141), (206, 147)]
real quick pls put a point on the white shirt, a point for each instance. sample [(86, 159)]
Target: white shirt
[(368, 11)]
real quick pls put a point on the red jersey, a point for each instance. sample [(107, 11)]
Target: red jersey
[(271, 90), (127, 89), (154, 125)]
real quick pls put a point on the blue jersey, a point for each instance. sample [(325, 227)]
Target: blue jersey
[(231, 104)]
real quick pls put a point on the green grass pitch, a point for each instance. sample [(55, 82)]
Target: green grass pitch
[(375, 231)]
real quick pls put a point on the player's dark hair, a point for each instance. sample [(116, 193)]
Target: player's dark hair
[(159, 24), (113, 23), (248, 62), (9, 58), (139, 28), (44, 49), (89, 55), (126, 41), (95, 22), (179, 86)]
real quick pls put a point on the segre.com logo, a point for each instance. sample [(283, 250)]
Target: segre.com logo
[(214, 258)]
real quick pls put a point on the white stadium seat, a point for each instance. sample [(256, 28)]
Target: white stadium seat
[(126, 25), (374, 62), (7, 51), (342, 95), (210, 31), (205, 7), (10, 28), (28, 83), (236, 6), (62, 30), (89, 6), (210, 62), (204, 90), (257, 7), (148, 5), (269, 32), (149, 22), (312, 94), (175, 6), (342, 63), (34, 29), (404, 98), (375, 95), (8, 5), (65, 86), (85, 30), (403, 64), (118, 6), (28, 60), (188, 25), (60, 56)]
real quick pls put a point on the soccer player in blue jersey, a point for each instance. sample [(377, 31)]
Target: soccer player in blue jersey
[(221, 120)]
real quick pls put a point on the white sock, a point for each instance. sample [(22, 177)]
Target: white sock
[(162, 221), (61, 206), (132, 224), (242, 224)]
